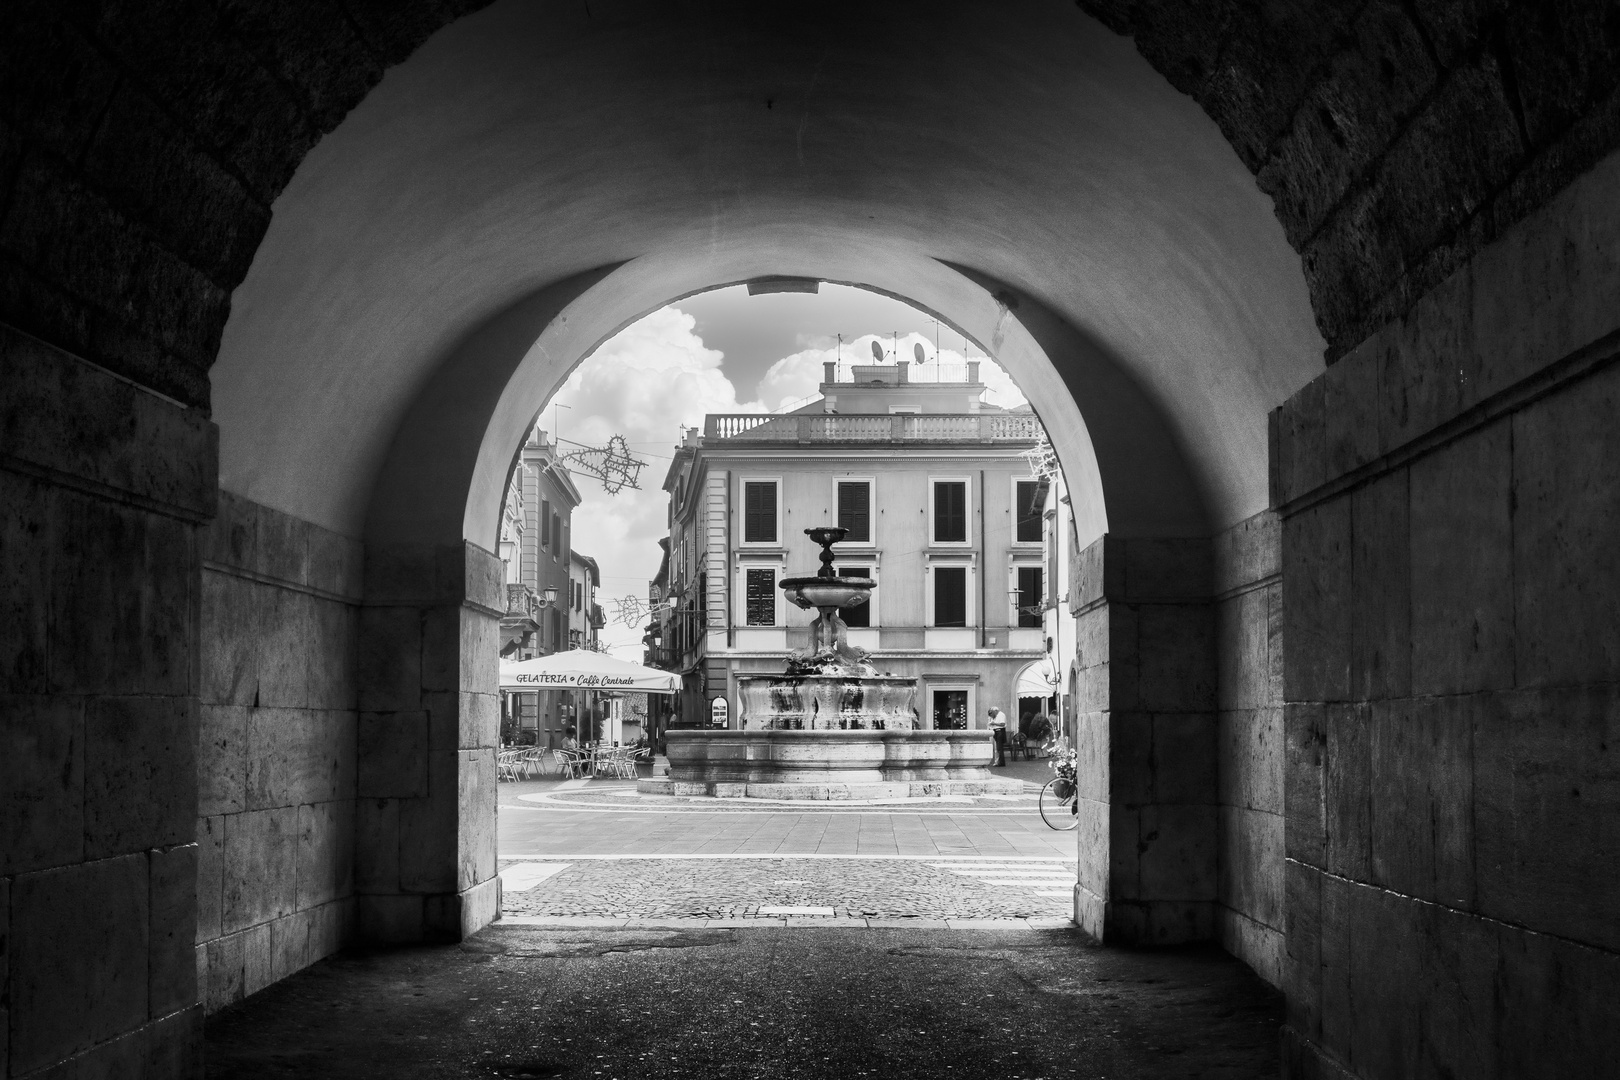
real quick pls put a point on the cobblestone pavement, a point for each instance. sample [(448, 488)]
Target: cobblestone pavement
[(807, 888)]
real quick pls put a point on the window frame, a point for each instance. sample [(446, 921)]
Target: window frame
[(1012, 504), (969, 584), (742, 512), (1015, 594), (967, 512), (871, 605), (871, 510)]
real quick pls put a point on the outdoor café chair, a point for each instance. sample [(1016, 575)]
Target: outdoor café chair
[(532, 762), (570, 762)]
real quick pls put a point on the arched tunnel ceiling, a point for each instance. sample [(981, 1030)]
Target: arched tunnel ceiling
[(142, 146), (527, 143)]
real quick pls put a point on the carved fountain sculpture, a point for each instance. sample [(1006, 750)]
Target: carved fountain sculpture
[(831, 726)]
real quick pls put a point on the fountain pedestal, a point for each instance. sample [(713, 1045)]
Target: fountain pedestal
[(831, 726)]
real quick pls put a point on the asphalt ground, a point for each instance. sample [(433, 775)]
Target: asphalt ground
[(779, 1003)]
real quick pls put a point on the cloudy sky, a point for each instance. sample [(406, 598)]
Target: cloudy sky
[(723, 351)]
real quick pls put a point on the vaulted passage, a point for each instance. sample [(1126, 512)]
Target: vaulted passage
[(1316, 301)]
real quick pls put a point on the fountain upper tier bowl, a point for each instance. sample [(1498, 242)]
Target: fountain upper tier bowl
[(828, 592)]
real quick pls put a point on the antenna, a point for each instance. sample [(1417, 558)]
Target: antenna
[(877, 351), (917, 351)]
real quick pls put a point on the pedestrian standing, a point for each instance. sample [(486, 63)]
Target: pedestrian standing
[(998, 729)]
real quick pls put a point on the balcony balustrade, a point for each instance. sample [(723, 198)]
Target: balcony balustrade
[(874, 428)]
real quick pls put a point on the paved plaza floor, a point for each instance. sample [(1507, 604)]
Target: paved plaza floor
[(577, 852), (706, 938)]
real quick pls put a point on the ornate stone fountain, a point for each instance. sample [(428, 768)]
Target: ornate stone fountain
[(831, 726)]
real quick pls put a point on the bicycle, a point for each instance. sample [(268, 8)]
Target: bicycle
[(1059, 799)]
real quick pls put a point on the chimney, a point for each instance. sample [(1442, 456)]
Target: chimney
[(905, 370), (973, 371), (829, 371)]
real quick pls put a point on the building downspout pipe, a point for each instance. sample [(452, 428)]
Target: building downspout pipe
[(984, 561)]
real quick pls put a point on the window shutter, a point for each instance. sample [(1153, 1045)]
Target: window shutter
[(855, 511), (759, 513), (950, 512), (761, 597), (545, 522), (950, 596)]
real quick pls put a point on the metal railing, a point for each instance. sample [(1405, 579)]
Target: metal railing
[(900, 427)]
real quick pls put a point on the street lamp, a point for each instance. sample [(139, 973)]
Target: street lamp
[(548, 596)]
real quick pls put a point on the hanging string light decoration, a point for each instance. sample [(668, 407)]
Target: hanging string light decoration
[(612, 464), (629, 610), (1042, 460)]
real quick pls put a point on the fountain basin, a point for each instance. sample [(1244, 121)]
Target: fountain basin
[(828, 702), (827, 764)]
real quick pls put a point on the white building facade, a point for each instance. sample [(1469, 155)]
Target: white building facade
[(942, 512)]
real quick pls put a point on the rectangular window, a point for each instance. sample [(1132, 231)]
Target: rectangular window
[(855, 510), (856, 616), (761, 597), (545, 523), (759, 512), (556, 531), (950, 512), (950, 596), (1030, 511), (1030, 596), (950, 710)]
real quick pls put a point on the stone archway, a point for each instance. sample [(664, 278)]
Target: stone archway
[(1443, 172)]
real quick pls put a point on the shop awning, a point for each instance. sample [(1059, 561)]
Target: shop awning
[(582, 669), (1036, 681)]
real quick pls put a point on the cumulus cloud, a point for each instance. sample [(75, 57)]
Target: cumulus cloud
[(646, 383)]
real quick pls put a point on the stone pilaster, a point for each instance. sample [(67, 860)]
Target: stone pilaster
[(429, 726), (1146, 732)]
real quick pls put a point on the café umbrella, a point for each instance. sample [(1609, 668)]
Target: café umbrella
[(582, 669)]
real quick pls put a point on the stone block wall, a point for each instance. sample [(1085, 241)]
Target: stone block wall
[(1453, 671), (1146, 731), (430, 719), (1249, 741), (103, 489), (277, 748)]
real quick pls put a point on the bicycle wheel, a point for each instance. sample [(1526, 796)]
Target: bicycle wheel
[(1060, 814)]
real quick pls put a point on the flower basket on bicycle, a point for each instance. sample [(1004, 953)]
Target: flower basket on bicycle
[(1058, 805)]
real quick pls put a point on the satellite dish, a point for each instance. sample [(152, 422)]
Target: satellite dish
[(916, 350), (877, 352)]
